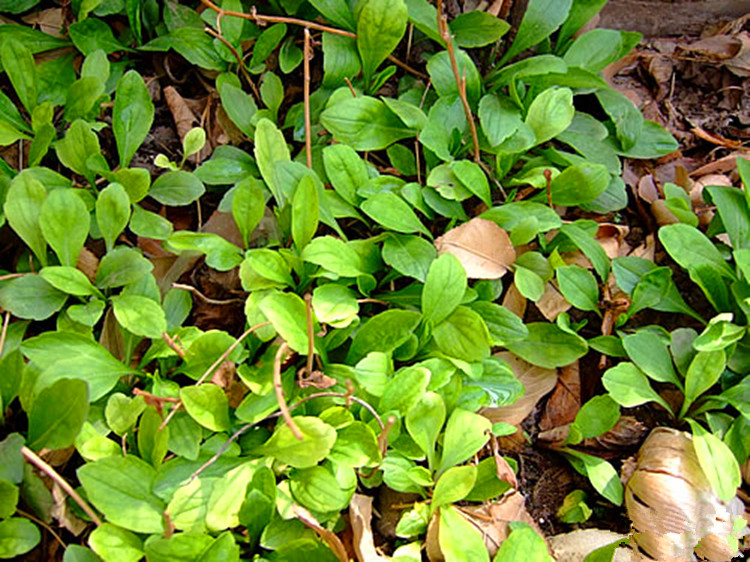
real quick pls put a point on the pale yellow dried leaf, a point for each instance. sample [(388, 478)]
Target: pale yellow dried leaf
[(482, 247), (360, 517)]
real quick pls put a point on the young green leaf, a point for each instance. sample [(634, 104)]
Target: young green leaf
[(424, 421), (453, 486), (112, 542), (541, 18), (650, 354), (465, 434), (248, 207), (318, 439), (177, 188), (578, 287), (444, 289), (380, 26), (717, 461), (270, 149), (335, 305), (18, 63), (548, 346), (524, 543), (404, 389), (31, 297), (132, 115), (193, 142), (112, 212), (550, 113), (629, 387), (139, 315), (23, 208), (459, 539), (207, 404), (305, 211), (463, 335)]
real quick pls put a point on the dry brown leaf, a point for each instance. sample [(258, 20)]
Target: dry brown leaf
[(661, 213), (611, 237), (740, 63), (49, 21), (88, 263), (482, 247), (672, 505), (565, 401), (185, 118), (329, 537), (515, 301), (715, 48), (552, 302), (537, 381), (647, 189), (111, 336), (360, 516), (62, 512), (724, 164)]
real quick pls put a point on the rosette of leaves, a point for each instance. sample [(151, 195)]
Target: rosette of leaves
[(673, 507)]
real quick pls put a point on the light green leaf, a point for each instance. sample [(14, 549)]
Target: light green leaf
[(177, 188), (113, 543), (589, 246), (548, 346), (690, 248), (541, 18), (595, 418), (453, 486), (120, 487), (717, 461), (65, 224), (318, 439), (112, 212), (629, 387), (18, 63), (383, 332), (424, 421), (550, 113), (465, 434), (140, 315), (152, 441), (305, 211), (393, 213), (463, 335), (270, 149), (579, 184), (132, 115), (477, 29), (31, 297), (248, 207), (120, 267), (444, 289), (287, 313), (602, 475), (239, 106), (149, 225), (503, 325), (409, 255), (227, 495), (346, 170), (333, 255), (17, 536), (524, 543), (23, 208), (704, 371), (380, 26), (459, 540), (404, 389), (207, 404), (335, 305), (578, 287)]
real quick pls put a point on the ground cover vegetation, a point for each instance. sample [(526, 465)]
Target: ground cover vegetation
[(386, 234)]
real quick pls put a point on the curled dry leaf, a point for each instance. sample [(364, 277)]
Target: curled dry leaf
[(537, 381), (627, 433), (672, 505), (647, 189), (482, 247), (360, 517), (329, 537), (576, 545), (565, 401)]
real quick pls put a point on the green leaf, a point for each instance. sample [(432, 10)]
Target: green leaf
[(383, 332), (336, 11), (268, 40), (220, 253), (364, 123), (8, 499), (113, 543), (318, 489), (424, 421), (120, 487), (472, 178), (58, 414), (579, 184), (550, 113), (79, 144), (440, 69), (579, 287), (287, 313), (459, 540), (177, 188), (356, 445), (207, 404), (121, 412), (463, 335), (132, 115), (61, 355), (602, 475), (541, 18), (734, 211), (596, 417), (653, 142), (465, 434), (690, 248), (575, 510), (650, 354), (503, 325), (112, 212), (248, 207), (318, 439), (17, 536), (598, 48), (65, 223), (404, 389), (524, 543), (453, 486), (477, 29), (629, 387), (239, 106), (340, 60), (23, 207), (487, 484), (270, 149), (380, 26), (717, 461), (333, 255), (393, 213), (139, 315), (266, 263), (31, 297), (152, 441), (18, 63), (624, 114), (346, 170), (580, 14), (704, 371), (225, 501), (120, 267), (548, 346), (409, 255), (92, 34), (589, 246), (335, 305), (304, 212), (149, 225), (444, 289)]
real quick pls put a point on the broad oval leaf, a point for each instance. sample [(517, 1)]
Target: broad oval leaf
[(132, 115), (380, 26), (548, 346), (177, 188), (208, 405), (392, 212), (317, 441), (444, 288), (58, 414), (140, 315), (482, 247)]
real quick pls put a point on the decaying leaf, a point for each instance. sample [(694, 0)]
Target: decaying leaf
[(515, 301), (565, 401), (329, 537), (482, 247), (672, 506), (360, 516), (627, 433), (576, 545), (552, 302), (537, 381)]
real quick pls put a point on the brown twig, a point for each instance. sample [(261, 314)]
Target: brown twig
[(383, 437), (310, 335), (214, 365), (548, 178), (4, 332), (460, 80), (203, 297), (32, 457), (42, 524), (11, 276), (306, 56), (173, 345), (280, 392), (373, 301)]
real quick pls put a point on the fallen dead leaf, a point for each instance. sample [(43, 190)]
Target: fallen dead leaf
[(724, 164), (62, 512), (647, 189), (360, 516), (482, 247), (672, 505), (329, 537), (537, 381), (740, 63), (576, 545), (88, 263), (565, 401), (661, 213), (515, 301), (552, 303)]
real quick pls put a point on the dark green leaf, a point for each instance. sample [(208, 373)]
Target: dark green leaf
[(541, 18), (548, 346), (380, 26), (58, 414), (463, 335), (31, 297), (383, 332), (578, 287), (248, 207), (477, 29)]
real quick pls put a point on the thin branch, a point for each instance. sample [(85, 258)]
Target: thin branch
[(214, 365), (227, 44), (43, 524), (310, 335), (11, 276), (32, 457), (408, 68), (4, 332), (306, 56), (383, 437), (203, 297), (280, 392), (373, 301), (460, 80), (173, 345)]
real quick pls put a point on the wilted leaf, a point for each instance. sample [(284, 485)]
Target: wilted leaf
[(482, 247)]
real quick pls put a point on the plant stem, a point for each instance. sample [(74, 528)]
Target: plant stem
[(32, 457), (306, 56), (280, 392)]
